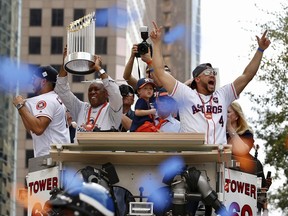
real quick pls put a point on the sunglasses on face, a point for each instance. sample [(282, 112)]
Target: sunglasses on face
[(209, 72)]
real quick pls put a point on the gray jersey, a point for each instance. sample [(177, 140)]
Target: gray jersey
[(106, 117)]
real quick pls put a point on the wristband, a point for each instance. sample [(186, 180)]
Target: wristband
[(261, 50), (19, 106), (149, 62), (102, 71)]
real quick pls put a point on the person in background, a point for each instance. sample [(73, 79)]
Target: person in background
[(240, 135), (143, 120), (44, 116), (98, 114), (166, 112), (128, 94), (72, 126), (128, 76), (203, 108)]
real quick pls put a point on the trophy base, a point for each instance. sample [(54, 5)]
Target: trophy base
[(79, 63)]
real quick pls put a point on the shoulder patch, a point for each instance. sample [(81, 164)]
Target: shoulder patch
[(215, 99), (41, 105)]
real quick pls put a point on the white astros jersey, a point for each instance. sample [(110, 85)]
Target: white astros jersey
[(50, 106), (204, 114)]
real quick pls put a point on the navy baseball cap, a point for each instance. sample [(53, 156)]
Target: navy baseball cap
[(197, 71), (143, 81), (47, 72)]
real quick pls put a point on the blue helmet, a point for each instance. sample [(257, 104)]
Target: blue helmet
[(90, 199)]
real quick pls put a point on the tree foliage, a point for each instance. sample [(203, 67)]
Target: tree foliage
[(271, 124)]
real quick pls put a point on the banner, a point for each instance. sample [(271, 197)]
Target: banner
[(240, 193), (40, 183)]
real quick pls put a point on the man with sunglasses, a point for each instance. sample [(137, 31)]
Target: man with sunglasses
[(128, 94), (202, 108)]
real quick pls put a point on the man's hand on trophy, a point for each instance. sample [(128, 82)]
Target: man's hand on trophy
[(98, 63), (64, 53)]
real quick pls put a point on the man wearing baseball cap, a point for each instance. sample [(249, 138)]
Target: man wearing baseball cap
[(202, 108), (43, 115), (47, 72)]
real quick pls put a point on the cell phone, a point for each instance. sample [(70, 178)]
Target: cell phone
[(268, 174)]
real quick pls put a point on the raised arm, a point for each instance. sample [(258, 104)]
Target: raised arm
[(127, 75), (167, 80), (114, 95), (63, 72), (62, 88), (251, 69)]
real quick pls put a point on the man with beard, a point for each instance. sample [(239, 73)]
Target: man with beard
[(202, 109), (44, 115), (99, 114)]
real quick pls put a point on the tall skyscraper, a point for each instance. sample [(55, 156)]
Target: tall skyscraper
[(8, 51)]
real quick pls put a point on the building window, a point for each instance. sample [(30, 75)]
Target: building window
[(101, 17), (101, 45), (34, 45), (35, 17), (56, 45), (78, 13), (57, 17), (29, 154), (77, 78), (79, 95)]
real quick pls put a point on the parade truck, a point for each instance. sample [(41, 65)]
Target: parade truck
[(145, 174)]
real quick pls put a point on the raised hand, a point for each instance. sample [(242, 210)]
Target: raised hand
[(98, 63), (64, 53), (146, 57), (156, 33), (263, 42), (134, 50)]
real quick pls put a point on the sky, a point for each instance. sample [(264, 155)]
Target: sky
[(229, 29)]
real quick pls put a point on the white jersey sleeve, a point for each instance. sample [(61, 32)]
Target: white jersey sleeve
[(73, 104)]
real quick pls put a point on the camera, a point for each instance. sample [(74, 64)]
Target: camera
[(144, 46)]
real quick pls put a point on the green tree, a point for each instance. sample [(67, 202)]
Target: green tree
[(271, 124)]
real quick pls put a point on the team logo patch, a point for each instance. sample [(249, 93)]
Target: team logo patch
[(41, 105), (215, 99)]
